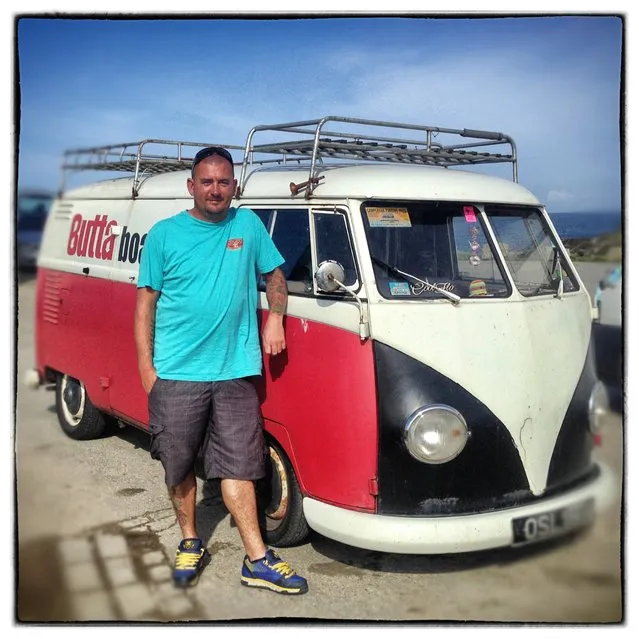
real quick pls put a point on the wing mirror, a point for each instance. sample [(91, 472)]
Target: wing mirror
[(329, 276)]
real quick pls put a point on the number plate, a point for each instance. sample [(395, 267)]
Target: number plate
[(553, 523)]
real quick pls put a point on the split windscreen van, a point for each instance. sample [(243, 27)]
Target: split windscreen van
[(438, 391)]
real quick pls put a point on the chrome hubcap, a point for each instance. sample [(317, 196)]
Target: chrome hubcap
[(73, 398)]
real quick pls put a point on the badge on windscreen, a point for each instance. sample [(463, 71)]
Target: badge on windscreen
[(399, 288)]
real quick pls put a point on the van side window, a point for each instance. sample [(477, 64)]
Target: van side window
[(292, 238), (333, 243), (264, 215)]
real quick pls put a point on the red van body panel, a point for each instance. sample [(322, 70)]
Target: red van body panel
[(73, 331), (85, 329), (322, 389)]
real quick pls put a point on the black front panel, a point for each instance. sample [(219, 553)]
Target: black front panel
[(488, 473), (571, 459)]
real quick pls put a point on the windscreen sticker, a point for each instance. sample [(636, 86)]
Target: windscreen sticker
[(469, 214), (399, 288), (379, 216), (418, 289)]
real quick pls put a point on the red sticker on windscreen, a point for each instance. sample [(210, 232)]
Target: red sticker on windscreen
[(469, 214)]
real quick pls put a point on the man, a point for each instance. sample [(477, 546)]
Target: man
[(197, 341)]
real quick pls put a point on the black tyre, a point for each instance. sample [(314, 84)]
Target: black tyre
[(280, 502), (79, 418)]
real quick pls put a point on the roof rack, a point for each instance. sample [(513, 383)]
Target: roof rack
[(313, 145), (317, 144), (143, 158)]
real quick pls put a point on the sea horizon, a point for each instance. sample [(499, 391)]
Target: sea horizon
[(582, 224)]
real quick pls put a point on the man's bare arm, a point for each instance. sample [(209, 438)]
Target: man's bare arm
[(277, 297), (144, 331), (276, 291)]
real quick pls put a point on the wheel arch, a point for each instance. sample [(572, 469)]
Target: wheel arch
[(280, 435)]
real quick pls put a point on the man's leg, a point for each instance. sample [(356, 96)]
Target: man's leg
[(239, 499), (178, 418), (236, 452), (183, 497), (191, 554)]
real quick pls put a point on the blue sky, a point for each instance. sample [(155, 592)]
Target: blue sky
[(552, 83)]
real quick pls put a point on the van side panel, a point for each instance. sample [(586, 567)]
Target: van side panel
[(75, 304), (128, 399), (322, 390), (72, 328)]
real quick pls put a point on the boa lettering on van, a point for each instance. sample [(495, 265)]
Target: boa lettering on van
[(94, 238)]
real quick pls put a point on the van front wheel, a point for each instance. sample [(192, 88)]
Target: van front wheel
[(280, 500), (79, 418)]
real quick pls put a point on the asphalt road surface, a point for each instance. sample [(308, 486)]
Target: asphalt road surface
[(96, 536)]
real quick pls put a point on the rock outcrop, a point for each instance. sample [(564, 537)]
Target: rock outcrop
[(603, 248)]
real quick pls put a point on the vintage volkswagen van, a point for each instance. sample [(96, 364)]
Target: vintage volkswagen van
[(438, 392)]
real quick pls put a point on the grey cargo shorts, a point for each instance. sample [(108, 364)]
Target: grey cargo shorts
[(220, 419)]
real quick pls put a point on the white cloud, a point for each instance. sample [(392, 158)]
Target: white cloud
[(560, 197)]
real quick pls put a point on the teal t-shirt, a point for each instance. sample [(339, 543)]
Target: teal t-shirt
[(206, 315)]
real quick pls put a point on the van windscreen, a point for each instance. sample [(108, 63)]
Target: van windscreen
[(536, 262), (440, 243)]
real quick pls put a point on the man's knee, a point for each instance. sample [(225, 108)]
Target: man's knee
[(238, 492), (183, 487)]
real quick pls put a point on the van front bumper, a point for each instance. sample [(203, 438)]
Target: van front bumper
[(455, 534)]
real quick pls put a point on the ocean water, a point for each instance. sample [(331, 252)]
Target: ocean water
[(579, 225)]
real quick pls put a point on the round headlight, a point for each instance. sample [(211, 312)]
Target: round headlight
[(435, 434), (598, 406)]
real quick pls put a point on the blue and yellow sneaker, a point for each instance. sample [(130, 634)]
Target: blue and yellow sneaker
[(274, 574), (190, 558)]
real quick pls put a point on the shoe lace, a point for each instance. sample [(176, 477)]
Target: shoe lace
[(186, 559), (283, 568)]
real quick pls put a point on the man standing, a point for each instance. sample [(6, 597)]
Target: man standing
[(197, 341)]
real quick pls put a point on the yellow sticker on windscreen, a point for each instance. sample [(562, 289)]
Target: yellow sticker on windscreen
[(380, 216)]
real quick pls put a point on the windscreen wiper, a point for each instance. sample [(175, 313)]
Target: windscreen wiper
[(408, 277)]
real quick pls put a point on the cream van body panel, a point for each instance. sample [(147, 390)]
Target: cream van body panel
[(83, 233), (410, 182), (509, 368)]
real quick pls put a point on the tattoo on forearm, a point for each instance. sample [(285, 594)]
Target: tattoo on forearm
[(276, 292)]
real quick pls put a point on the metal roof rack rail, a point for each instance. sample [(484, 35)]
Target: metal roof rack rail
[(143, 158), (317, 144)]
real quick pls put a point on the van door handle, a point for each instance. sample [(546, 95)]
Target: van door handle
[(85, 270)]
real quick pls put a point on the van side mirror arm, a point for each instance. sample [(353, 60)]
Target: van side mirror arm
[(364, 329)]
